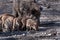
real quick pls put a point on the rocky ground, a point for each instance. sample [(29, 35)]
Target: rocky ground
[(49, 27)]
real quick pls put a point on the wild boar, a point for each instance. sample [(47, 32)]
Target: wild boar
[(31, 24), (8, 23), (4, 16)]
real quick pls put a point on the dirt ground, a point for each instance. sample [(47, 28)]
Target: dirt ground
[(50, 19)]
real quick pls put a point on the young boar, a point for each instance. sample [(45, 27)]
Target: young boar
[(8, 23), (31, 24), (3, 17)]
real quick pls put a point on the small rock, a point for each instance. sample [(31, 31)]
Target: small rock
[(23, 34)]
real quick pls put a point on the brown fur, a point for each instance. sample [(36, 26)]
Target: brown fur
[(13, 24), (3, 17), (8, 23), (24, 18), (17, 24), (26, 6), (31, 8), (31, 24)]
